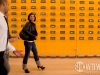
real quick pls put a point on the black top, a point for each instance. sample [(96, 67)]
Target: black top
[(30, 30)]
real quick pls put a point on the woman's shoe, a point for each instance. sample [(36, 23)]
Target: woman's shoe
[(41, 67), (26, 70)]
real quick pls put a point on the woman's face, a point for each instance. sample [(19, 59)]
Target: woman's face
[(32, 17)]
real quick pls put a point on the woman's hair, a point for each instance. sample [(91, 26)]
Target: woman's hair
[(30, 15)]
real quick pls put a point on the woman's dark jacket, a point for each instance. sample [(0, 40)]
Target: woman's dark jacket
[(29, 32)]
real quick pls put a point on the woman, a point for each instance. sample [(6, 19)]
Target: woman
[(31, 34)]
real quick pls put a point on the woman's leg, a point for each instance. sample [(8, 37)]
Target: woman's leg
[(34, 50), (27, 53), (35, 53)]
